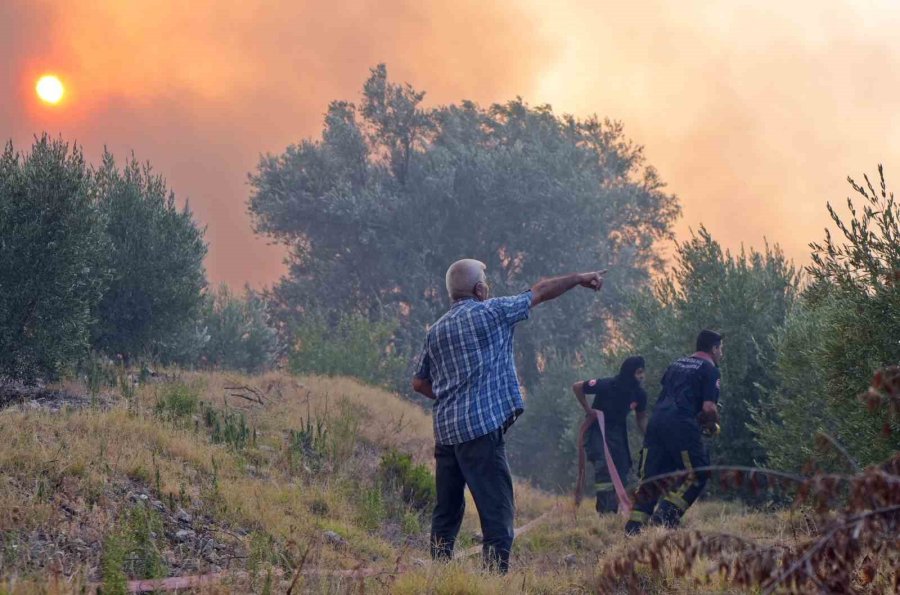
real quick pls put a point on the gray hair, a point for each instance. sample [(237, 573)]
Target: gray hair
[(462, 276)]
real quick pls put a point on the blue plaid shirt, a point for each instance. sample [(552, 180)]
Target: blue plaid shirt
[(468, 357)]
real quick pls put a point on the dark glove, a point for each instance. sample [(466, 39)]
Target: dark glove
[(709, 423)]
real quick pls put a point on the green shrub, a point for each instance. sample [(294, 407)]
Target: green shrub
[(549, 426), (227, 427), (346, 345), (142, 527), (413, 482), (371, 507), (177, 401), (263, 554), (343, 434), (98, 371), (132, 550), (240, 336), (319, 507), (232, 332), (309, 443), (411, 522), (112, 562), (324, 438)]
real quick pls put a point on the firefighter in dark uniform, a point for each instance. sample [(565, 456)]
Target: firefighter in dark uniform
[(685, 410), (616, 397)]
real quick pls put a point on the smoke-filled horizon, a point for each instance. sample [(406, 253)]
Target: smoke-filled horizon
[(754, 113)]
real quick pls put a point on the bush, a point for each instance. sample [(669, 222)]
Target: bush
[(227, 427), (132, 550), (112, 563), (371, 508), (549, 427), (240, 337), (98, 372), (177, 401), (310, 442), (413, 482), (350, 345), (231, 333), (325, 439)]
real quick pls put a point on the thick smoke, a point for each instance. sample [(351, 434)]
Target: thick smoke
[(754, 112), (202, 88)]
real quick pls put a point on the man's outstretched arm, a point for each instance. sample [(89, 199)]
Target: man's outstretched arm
[(549, 289)]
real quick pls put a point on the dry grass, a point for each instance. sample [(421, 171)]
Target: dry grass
[(69, 472), (386, 420), (54, 465)]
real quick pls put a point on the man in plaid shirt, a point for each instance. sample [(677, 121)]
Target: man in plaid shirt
[(467, 367)]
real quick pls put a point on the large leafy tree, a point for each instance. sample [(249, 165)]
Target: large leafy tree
[(375, 211), (393, 192), (845, 328), (747, 298), (52, 271), (156, 258)]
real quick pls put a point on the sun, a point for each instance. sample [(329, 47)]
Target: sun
[(50, 89)]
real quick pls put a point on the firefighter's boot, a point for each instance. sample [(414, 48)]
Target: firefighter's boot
[(606, 501), (667, 514)]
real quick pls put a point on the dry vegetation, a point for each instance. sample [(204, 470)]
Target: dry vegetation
[(275, 480)]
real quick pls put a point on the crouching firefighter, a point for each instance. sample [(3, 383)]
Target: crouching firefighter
[(615, 397), (685, 411)]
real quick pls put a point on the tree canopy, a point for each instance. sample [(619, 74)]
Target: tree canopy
[(100, 259), (52, 247), (156, 261), (393, 192), (844, 329)]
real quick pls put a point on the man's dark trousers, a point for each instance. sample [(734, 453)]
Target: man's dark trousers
[(480, 464)]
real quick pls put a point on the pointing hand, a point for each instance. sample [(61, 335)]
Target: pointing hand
[(592, 280)]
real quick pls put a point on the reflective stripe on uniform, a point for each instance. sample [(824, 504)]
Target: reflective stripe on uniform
[(639, 517), (676, 501), (676, 497), (603, 486)]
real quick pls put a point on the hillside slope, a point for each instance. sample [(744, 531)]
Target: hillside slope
[(260, 480)]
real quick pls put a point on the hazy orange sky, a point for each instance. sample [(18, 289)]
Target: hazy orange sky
[(753, 112)]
